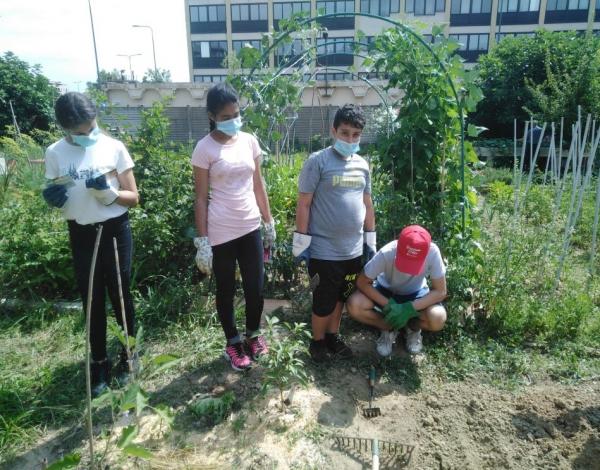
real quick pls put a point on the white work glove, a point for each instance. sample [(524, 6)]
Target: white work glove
[(102, 190), (300, 246), (269, 234), (204, 254), (369, 246)]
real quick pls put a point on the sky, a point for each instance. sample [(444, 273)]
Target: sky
[(57, 35)]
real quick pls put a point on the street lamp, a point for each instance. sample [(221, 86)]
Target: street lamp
[(94, 39), (153, 50), (129, 56)]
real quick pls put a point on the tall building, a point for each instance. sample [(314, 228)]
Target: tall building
[(218, 27)]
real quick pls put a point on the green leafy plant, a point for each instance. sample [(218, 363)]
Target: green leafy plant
[(213, 410), (284, 363), (134, 399)]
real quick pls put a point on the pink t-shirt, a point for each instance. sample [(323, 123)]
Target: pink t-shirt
[(232, 208)]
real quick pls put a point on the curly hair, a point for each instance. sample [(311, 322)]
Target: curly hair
[(350, 114)]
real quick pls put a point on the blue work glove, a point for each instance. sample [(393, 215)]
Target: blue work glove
[(300, 248), (102, 190), (55, 195), (397, 315)]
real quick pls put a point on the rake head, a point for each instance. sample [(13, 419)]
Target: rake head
[(371, 412), (399, 453)]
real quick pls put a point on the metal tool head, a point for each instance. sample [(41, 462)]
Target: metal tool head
[(371, 412)]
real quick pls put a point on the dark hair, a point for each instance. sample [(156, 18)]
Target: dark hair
[(350, 114), (74, 109), (218, 97)]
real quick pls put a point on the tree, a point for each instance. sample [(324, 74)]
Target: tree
[(157, 76), (32, 95), (546, 75)]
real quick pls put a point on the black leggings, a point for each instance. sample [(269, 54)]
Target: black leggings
[(248, 252), (82, 238)]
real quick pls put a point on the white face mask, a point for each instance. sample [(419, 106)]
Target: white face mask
[(347, 149), (230, 127)]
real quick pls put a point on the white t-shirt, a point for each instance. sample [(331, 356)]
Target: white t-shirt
[(81, 163), (382, 267)]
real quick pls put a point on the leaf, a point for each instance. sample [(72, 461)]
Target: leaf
[(474, 131), (141, 401), (129, 399), (128, 434), (68, 461), (166, 414), (137, 451)]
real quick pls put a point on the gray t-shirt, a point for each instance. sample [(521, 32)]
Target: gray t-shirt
[(337, 211), (382, 267)]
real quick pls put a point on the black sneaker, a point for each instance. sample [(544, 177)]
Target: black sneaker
[(123, 372), (318, 350), (337, 347), (100, 376)]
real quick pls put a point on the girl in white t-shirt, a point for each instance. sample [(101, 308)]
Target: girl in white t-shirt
[(228, 223), (91, 181)]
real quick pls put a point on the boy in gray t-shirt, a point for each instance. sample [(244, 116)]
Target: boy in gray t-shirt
[(393, 290), (335, 226)]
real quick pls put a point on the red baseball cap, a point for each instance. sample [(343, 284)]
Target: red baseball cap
[(413, 245)]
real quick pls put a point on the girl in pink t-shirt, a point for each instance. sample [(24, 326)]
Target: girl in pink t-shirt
[(228, 223)]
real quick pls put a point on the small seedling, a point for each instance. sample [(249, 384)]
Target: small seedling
[(213, 410), (284, 365)]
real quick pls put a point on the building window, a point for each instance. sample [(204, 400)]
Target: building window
[(380, 7), (425, 7), (288, 53), (239, 44), (510, 6), (335, 6), (335, 46), (335, 51), (208, 54), (207, 19), (471, 42), (501, 36), (209, 78), (285, 10), (557, 5), (465, 7), (253, 12), (207, 13)]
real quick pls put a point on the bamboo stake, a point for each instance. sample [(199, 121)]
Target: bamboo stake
[(123, 316), (595, 227), (572, 222), (562, 122), (88, 320)]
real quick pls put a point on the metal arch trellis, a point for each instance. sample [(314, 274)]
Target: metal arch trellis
[(300, 59), (459, 103)]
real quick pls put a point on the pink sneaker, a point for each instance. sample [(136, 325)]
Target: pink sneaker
[(257, 346), (235, 354)]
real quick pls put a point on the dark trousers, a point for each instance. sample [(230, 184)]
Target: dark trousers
[(82, 238), (248, 252)]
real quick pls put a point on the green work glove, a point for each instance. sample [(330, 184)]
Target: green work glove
[(397, 315)]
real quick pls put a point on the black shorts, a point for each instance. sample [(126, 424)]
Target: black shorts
[(337, 281)]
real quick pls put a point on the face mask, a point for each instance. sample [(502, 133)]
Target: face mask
[(87, 140), (347, 149), (230, 127)]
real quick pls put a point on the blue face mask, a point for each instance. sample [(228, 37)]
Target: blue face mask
[(347, 149), (230, 127), (87, 140)]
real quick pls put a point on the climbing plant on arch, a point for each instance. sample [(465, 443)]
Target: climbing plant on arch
[(423, 162)]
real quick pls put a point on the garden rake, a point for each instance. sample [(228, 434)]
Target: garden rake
[(393, 454), (371, 412)]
